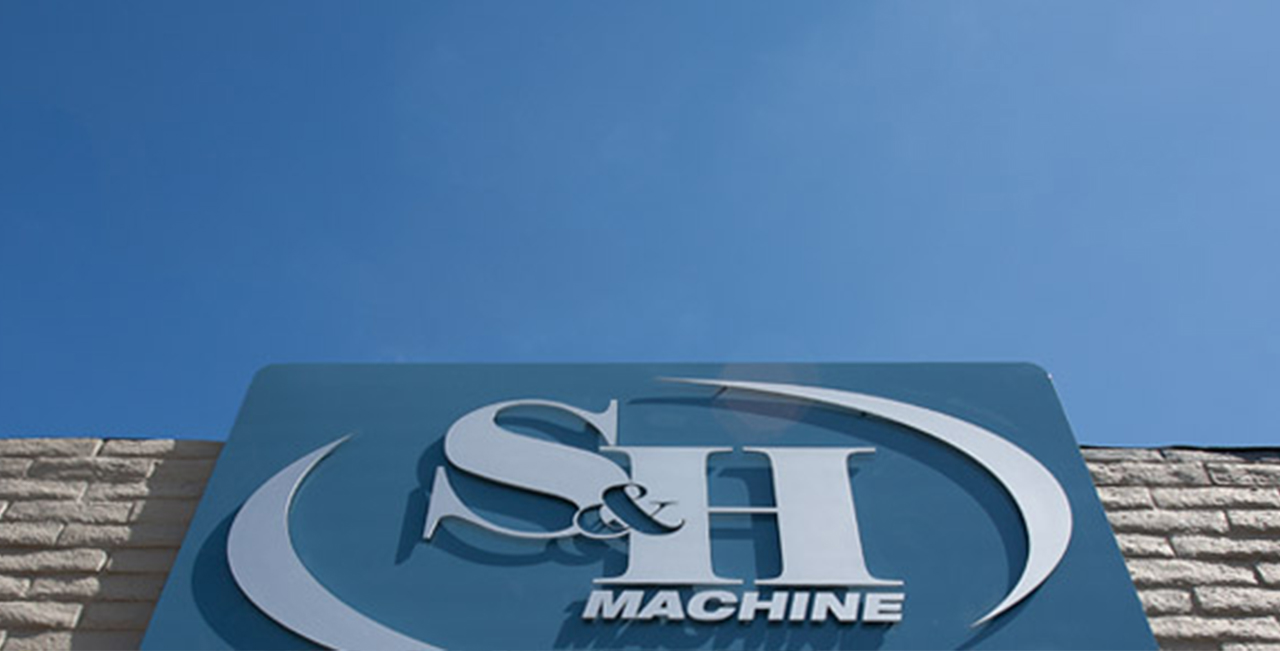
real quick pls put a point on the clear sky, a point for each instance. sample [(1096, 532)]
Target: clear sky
[(189, 191)]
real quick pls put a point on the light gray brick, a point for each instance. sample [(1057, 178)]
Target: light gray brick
[(1160, 522), (1178, 572), (74, 641), (95, 535), (64, 586), (1237, 474), (1167, 644), (168, 448), (1227, 548), (163, 488), (166, 511), (1138, 545), (1149, 474), (13, 587), (56, 511), (1181, 627), (1235, 646), (107, 587), (1165, 602), (1270, 573), (103, 468), (116, 615), (1202, 455), (149, 561), (1106, 455), (62, 560), (1216, 497), (1234, 600), (1263, 522), (136, 535), (1125, 497), (48, 447), (46, 614), (29, 534), (4, 506), (38, 489), (14, 467), (107, 492)]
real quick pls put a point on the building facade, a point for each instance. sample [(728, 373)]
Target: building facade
[(89, 528)]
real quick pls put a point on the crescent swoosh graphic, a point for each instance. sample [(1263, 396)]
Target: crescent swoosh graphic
[(1043, 505), (269, 572)]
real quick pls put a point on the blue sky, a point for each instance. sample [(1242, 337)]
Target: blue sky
[(189, 192)]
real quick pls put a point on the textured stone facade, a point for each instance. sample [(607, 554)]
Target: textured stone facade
[(1200, 530), (89, 528)]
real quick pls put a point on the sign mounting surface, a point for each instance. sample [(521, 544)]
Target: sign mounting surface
[(650, 506)]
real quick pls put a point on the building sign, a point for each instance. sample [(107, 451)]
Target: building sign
[(650, 506)]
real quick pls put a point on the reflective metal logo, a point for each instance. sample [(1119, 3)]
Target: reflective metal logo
[(661, 508)]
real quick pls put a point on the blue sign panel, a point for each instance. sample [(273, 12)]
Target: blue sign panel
[(650, 506)]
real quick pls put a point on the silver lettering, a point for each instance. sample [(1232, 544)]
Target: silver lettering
[(603, 604), (665, 604), (699, 612), (478, 445), (817, 521), (677, 478), (751, 602), (827, 603), (799, 603), (883, 607)]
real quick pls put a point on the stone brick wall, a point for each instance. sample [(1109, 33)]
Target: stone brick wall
[(89, 528), (1200, 530)]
